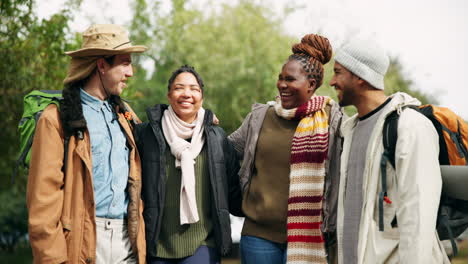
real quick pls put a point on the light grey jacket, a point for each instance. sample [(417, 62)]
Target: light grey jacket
[(245, 139), (414, 189)]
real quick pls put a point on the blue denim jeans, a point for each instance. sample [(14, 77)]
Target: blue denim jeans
[(255, 250)]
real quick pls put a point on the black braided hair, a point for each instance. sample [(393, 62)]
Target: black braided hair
[(312, 53), (71, 111), (185, 68)]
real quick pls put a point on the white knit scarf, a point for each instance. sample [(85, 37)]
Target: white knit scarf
[(176, 131)]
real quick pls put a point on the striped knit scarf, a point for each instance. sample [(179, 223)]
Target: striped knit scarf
[(308, 153)]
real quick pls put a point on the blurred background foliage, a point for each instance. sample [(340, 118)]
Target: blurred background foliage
[(238, 49)]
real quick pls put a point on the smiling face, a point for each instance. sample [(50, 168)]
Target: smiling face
[(294, 87), (185, 96), (345, 84), (115, 76)]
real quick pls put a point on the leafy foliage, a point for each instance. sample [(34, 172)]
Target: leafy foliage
[(395, 81), (32, 58), (13, 219), (238, 51)]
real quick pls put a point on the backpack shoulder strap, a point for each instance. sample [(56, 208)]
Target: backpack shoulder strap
[(390, 133), (389, 137)]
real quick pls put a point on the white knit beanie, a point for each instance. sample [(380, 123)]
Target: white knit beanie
[(366, 59)]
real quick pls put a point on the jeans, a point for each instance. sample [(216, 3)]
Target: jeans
[(255, 250), (203, 255)]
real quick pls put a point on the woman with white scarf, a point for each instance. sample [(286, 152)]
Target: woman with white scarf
[(189, 173)]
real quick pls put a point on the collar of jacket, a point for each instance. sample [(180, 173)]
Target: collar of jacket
[(125, 124), (399, 100)]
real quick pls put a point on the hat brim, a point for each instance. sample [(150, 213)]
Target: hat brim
[(88, 52)]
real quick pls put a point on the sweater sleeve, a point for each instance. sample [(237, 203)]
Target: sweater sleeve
[(238, 138), (419, 186)]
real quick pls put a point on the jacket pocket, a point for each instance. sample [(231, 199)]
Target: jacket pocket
[(66, 226), (389, 207), (66, 233)]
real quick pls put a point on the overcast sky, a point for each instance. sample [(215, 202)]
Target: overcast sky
[(429, 37)]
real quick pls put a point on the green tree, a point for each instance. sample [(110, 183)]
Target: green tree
[(238, 50), (13, 219), (395, 81), (32, 53)]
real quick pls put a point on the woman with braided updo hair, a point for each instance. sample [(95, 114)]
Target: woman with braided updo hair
[(290, 169)]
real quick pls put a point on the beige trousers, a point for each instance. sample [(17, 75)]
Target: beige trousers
[(112, 242)]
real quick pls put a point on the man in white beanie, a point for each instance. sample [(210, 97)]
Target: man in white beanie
[(84, 183), (406, 232)]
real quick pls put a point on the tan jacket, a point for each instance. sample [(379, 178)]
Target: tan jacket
[(61, 208)]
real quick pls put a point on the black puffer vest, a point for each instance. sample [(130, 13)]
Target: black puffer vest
[(223, 167)]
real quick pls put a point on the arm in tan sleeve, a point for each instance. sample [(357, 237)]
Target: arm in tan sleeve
[(44, 195)]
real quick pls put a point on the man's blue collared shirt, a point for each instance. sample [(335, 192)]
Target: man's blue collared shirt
[(110, 156)]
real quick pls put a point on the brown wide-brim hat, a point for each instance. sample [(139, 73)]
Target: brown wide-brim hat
[(105, 40)]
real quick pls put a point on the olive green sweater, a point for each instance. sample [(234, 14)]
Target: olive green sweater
[(265, 201), (176, 241)]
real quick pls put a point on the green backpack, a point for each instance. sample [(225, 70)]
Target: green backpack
[(34, 104)]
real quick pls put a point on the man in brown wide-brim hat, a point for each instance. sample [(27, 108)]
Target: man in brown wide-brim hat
[(84, 181)]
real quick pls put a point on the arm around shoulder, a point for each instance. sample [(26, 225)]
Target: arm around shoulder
[(238, 138)]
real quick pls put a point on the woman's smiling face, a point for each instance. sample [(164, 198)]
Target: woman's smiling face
[(185, 96), (294, 86)]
